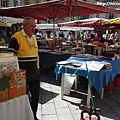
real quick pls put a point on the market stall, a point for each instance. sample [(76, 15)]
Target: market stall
[(14, 102), (99, 76)]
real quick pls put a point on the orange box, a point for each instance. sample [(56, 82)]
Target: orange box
[(117, 80), (15, 76), (12, 92), (4, 95), (16, 85), (110, 86), (4, 86), (21, 84)]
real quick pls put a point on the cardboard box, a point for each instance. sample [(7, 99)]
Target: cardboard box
[(98, 51), (21, 87), (15, 76), (21, 83), (12, 92), (12, 84), (8, 64), (22, 74), (90, 49), (4, 85), (4, 95)]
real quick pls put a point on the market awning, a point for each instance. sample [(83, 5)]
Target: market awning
[(47, 26), (8, 21), (75, 28), (55, 9), (111, 21), (92, 22)]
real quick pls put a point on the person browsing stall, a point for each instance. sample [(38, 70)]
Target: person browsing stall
[(24, 45)]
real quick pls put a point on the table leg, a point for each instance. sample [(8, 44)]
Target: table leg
[(62, 85), (88, 96), (76, 78), (101, 95)]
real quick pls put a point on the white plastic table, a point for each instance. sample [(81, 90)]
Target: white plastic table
[(88, 95)]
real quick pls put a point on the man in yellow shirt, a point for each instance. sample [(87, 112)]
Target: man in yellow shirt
[(24, 45)]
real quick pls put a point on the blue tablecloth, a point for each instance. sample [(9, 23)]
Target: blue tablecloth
[(115, 66), (115, 63), (49, 58), (98, 79)]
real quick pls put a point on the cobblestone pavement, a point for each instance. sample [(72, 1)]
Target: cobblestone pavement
[(51, 107)]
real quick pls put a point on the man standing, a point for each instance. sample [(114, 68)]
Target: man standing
[(24, 45)]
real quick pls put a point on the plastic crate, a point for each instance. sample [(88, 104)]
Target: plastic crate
[(117, 80), (110, 86)]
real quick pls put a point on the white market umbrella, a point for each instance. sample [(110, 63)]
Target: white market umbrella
[(8, 21)]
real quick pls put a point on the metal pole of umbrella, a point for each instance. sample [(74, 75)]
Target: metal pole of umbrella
[(78, 22), (6, 31)]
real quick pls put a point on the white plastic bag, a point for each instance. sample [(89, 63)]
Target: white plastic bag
[(68, 82)]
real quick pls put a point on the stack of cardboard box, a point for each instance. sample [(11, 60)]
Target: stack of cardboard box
[(12, 85), (12, 79)]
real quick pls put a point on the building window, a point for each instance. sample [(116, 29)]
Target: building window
[(37, 1), (72, 18), (48, 21), (15, 2), (26, 2), (97, 15), (111, 15), (84, 17), (4, 3)]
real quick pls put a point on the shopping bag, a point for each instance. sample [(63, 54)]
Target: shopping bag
[(68, 82)]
